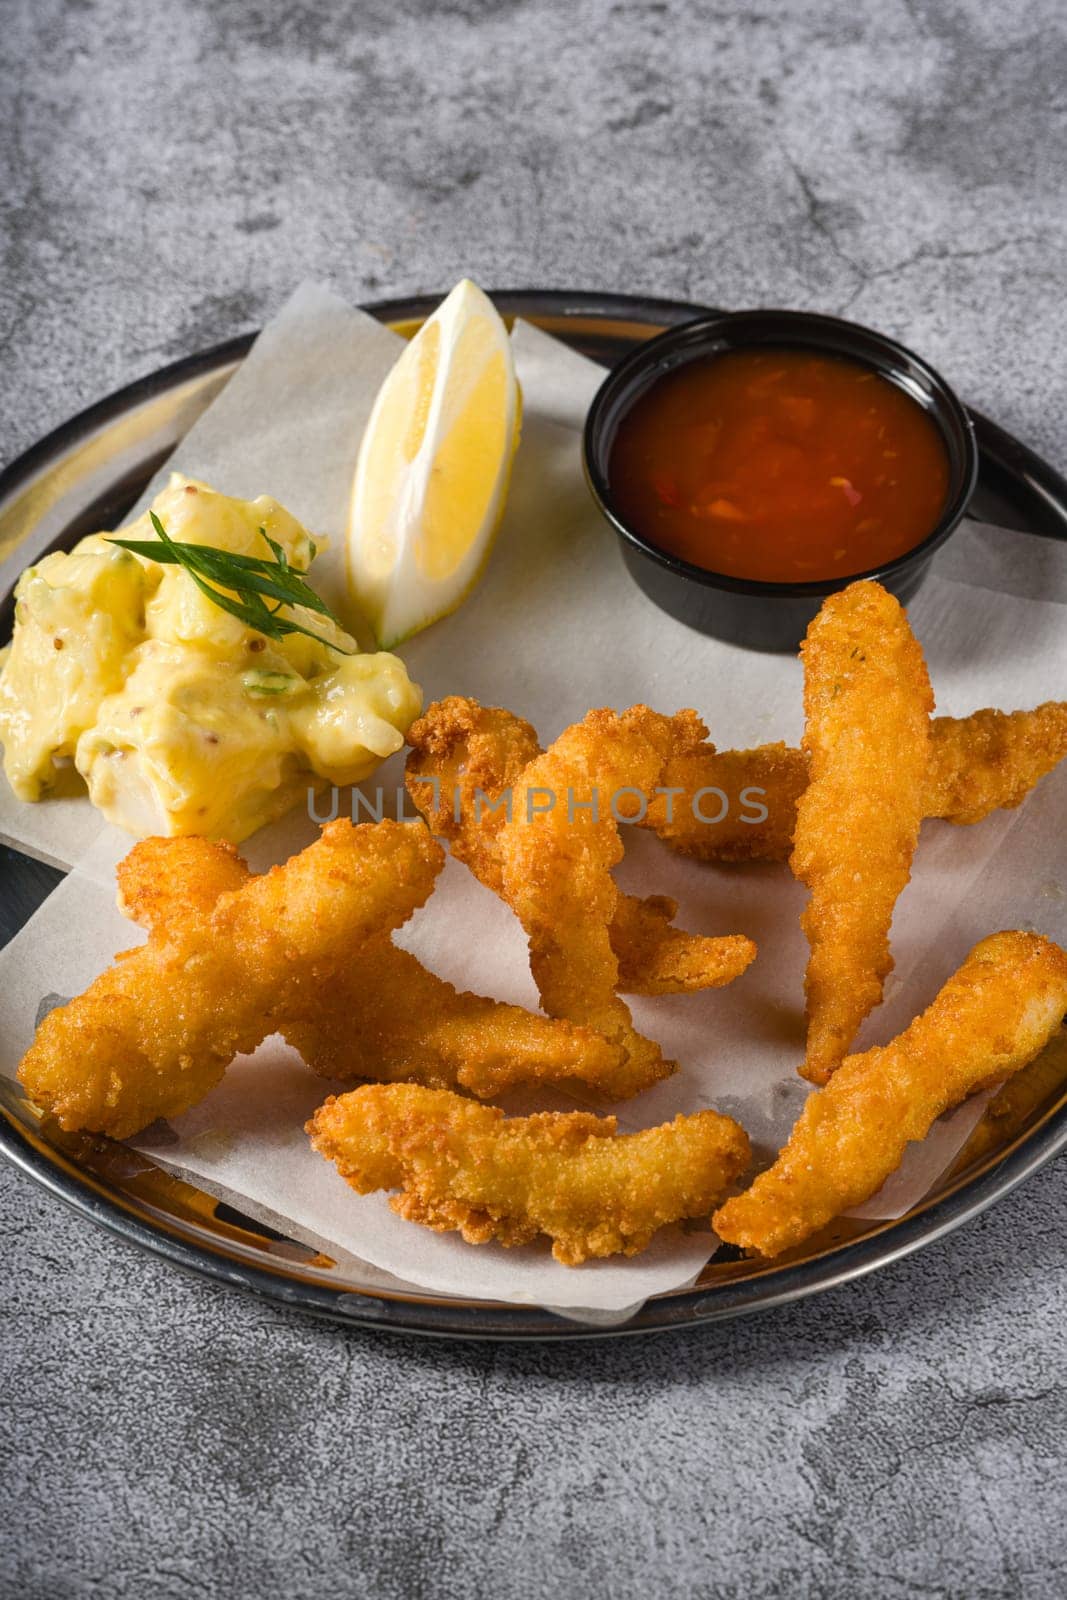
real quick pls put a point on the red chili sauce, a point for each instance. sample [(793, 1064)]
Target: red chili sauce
[(779, 464)]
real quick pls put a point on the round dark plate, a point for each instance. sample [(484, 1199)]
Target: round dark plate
[(86, 475)]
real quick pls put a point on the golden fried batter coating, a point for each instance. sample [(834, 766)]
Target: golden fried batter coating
[(867, 705), (556, 866), (992, 759), (162, 882), (656, 958), (156, 1031), (992, 1017), (465, 756), (391, 1020), (383, 1017), (463, 1166), (979, 764), (769, 778)]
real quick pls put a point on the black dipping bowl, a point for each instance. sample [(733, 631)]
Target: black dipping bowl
[(769, 616)]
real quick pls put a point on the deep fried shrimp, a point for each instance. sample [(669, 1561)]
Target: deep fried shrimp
[(768, 779), (556, 856), (992, 759), (657, 958), (462, 1166), (384, 1016), (156, 1031), (979, 764), (162, 882), (993, 1017), (867, 705), (393, 1021), (465, 757)]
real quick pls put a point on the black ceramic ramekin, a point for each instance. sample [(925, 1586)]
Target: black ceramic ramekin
[(769, 616)]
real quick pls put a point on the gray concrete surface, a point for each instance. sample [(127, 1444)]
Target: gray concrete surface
[(168, 170)]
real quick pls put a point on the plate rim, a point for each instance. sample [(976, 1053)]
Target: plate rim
[(423, 1314)]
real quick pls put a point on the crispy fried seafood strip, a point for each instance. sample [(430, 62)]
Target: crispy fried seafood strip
[(394, 1021), (993, 1017), (992, 759), (867, 704), (465, 756), (383, 1017), (556, 857), (462, 1166), (156, 1031), (657, 958), (979, 764), (769, 779), (161, 883)]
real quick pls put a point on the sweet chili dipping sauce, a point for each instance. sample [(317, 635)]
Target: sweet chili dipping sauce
[(779, 464)]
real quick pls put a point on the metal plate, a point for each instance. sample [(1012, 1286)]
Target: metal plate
[(86, 475)]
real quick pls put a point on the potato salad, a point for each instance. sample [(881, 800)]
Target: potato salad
[(179, 716)]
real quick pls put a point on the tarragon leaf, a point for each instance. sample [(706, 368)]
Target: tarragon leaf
[(243, 582)]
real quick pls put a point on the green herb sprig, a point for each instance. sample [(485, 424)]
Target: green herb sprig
[(247, 578)]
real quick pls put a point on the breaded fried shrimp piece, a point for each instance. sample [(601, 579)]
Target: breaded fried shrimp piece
[(981, 763), (465, 756), (992, 759), (556, 865), (391, 1020), (383, 1017), (867, 704), (769, 778), (656, 958), (162, 882), (465, 1167), (155, 1032), (993, 1017)]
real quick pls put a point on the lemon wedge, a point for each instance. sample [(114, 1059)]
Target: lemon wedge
[(432, 475)]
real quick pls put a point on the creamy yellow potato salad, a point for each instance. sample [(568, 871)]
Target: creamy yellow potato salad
[(180, 717)]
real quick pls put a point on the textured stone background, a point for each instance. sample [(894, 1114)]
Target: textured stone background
[(168, 170)]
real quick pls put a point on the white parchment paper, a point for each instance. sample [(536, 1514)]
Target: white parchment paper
[(557, 626)]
